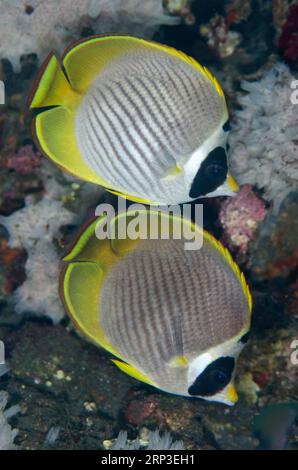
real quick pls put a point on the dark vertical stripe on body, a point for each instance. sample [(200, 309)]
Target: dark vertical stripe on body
[(133, 141), (143, 118), (140, 175), (110, 160)]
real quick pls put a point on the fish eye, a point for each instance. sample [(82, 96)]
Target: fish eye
[(215, 171), (219, 377), (214, 378), (212, 173)]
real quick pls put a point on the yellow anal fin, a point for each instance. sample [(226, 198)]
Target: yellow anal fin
[(130, 370), (132, 198), (52, 87)]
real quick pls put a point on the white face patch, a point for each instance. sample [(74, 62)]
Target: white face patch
[(192, 166), (229, 350), (223, 190)]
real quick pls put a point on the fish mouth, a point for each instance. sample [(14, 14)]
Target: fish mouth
[(231, 395), (232, 184)]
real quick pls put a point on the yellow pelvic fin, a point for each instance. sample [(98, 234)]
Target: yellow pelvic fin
[(178, 361), (52, 87), (173, 173), (80, 293), (133, 372), (55, 134)]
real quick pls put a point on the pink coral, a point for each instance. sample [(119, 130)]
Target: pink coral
[(239, 217), (24, 161)]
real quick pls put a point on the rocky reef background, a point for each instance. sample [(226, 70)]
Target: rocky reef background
[(59, 391)]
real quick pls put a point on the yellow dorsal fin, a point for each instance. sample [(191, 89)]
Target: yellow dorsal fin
[(235, 268), (133, 372), (92, 54)]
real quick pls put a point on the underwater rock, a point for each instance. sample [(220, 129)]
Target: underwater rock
[(38, 25), (240, 217), (139, 410), (274, 252), (48, 365), (273, 425), (263, 141), (24, 161)]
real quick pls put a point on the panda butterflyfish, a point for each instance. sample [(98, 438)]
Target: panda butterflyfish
[(173, 318), (140, 118)]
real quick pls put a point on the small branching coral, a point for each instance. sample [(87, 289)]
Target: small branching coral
[(153, 440), (264, 141)]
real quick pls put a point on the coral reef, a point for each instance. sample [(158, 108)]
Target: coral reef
[(220, 37), (263, 141), (274, 251), (41, 206), (240, 216), (237, 11), (34, 228), (31, 26)]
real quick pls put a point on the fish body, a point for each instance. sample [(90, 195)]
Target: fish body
[(174, 319), (142, 119)]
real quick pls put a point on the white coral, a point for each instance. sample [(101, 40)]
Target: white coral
[(7, 434), (264, 139), (28, 26), (34, 227), (154, 441)]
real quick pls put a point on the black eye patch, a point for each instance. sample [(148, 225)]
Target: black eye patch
[(244, 338), (214, 378), (212, 173)]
